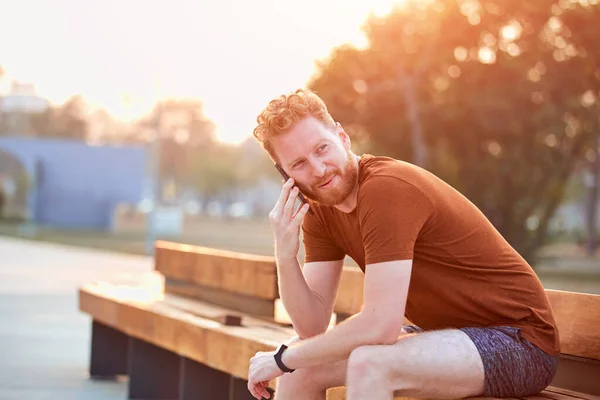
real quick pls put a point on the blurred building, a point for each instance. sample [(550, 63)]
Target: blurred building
[(18, 105), (72, 184), (23, 98)]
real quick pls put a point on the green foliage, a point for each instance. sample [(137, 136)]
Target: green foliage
[(184, 134), (216, 170), (191, 156), (497, 97), (223, 168)]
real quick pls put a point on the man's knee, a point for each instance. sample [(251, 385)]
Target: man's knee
[(365, 364)]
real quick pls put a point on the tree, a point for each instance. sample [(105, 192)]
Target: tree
[(217, 172), (103, 128), (493, 89), (222, 170), (67, 121), (184, 134)]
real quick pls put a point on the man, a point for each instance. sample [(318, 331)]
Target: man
[(483, 323)]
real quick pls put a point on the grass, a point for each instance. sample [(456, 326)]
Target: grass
[(237, 235)]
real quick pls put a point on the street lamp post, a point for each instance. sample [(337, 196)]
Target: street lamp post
[(154, 192), (154, 178)]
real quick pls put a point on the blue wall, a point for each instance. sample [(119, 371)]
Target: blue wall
[(79, 185)]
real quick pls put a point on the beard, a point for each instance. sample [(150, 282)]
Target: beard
[(334, 195)]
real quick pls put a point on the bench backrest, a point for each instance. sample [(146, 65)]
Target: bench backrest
[(242, 282), (578, 318), (186, 266), (245, 274)]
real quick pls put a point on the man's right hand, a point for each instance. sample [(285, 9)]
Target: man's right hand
[(286, 222)]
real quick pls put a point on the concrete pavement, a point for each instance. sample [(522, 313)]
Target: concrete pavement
[(44, 339)]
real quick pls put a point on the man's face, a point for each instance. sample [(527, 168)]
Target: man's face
[(319, 160)]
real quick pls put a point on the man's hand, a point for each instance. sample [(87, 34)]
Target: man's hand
[(286, 222), (263, 368)]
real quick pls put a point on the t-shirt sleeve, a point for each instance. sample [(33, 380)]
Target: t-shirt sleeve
[(318, 245), (392, 213)]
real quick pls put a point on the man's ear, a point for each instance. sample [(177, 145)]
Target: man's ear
[(343, 136)]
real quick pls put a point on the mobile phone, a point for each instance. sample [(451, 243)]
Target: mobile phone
[(300, 195)]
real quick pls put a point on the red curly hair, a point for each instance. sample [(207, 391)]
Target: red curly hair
[(286, 110)]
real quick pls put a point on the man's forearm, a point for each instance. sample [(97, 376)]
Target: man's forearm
[(337, 343), (304, 308)]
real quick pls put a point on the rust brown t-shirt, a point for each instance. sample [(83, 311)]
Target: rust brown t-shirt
[(464, 273)]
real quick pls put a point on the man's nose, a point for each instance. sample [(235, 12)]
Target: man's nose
[(318, 168)]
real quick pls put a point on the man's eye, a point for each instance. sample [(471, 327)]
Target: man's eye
[(322, 148), (298, 164)]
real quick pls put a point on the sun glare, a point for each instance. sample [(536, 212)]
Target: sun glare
[(248, 55), (381, 8)]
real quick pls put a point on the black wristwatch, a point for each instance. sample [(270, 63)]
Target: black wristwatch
[(280, 363)]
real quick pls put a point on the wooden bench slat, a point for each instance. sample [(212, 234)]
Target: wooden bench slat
[(237, 301), (491, 398), (226, 348), (339, 393), (235, 272), (144, 298), (558, 396), (551, 395), (577, 395), (577, 317), (219, 268), (216, 312), (349, 299)]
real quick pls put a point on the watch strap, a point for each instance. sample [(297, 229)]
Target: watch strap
[(280, 363)]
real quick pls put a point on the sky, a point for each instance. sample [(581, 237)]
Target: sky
[(123, 55)]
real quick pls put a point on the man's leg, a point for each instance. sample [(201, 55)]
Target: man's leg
[(437, 364), (311, 383)]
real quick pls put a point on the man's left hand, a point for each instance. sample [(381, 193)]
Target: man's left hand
[(263, 368)]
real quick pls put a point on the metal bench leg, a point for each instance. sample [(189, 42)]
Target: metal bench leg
[(108, 357), (153, 371), (199, 381)]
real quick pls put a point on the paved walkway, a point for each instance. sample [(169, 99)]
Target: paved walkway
[(44, 339)]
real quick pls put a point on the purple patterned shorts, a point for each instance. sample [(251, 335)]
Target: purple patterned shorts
[(513, 366)]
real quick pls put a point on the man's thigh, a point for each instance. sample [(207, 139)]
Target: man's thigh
[(511, 365), (433, 364)]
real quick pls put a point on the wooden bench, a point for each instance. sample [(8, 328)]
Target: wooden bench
[(189, 329)]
